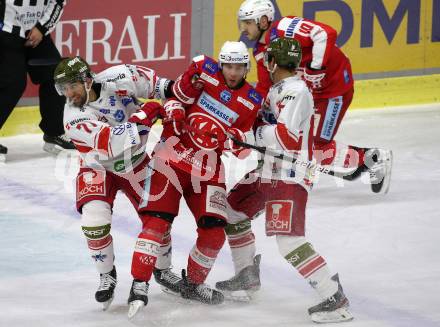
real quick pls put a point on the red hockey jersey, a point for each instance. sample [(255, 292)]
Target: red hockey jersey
[(319, 50), (217, 109)]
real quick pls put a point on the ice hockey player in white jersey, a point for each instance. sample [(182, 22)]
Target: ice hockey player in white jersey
[(109, 127), (281, 190)]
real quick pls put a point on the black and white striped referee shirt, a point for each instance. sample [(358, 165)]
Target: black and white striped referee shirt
[(19, 16)]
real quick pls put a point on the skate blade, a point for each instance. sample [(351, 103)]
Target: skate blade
[(2, 158), (339, 315), (169, 291), (388, 169), (106, 304), (51, 148), (134, 308), (386, 181), (240, 296)]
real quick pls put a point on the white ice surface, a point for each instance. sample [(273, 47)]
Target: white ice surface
[(385, 248)]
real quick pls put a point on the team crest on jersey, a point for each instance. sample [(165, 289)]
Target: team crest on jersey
[(119, 115), (225, 96), (210, 66), (206, 125), (254, 96)]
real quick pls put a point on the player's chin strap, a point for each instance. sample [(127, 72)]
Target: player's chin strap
[(355, 173)]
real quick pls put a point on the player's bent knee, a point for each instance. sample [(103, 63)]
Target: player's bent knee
[(211, 222), (168, 217), (155, 228), (214, 236), (96, 213)]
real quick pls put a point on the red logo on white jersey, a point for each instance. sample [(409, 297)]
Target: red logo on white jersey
[(204, 130), (279, 217), (90, 183)]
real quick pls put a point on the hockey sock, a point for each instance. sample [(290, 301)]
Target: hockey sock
[(203, 254), (165, 252), (241, 240), (96, 225), (148, 245), (312, 266), (100, 243)]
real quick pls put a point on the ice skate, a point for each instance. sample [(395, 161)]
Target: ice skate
[(332, 309), (199, 292), (380, 171), (55, 144), (106, 288), (242, 286), (168, 281), (138, 297)]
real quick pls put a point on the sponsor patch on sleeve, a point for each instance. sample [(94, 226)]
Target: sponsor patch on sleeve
[(254, 96), (210, 66)]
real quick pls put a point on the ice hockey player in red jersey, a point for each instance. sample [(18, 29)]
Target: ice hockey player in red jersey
[(327, 72), (281, 190), (212, 102), (109, 127)]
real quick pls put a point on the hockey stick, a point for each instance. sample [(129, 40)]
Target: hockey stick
[(43, 62), (349, 176)]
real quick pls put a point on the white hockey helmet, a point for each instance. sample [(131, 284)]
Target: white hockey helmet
[(255, 9), (234, 52)]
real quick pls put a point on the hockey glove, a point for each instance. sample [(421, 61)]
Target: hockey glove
[(314, 78), (234, 138), (174, 117), (188, 86), (147, 115)]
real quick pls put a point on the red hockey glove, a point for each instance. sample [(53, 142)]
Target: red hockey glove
[(235, 136), (314, 78), (147, 114), (188, 86), (174, 116)]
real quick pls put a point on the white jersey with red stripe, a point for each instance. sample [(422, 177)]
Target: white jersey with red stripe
[(100, 130), (288, 113)]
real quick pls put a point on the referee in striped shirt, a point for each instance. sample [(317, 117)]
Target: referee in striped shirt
[(26, 47)]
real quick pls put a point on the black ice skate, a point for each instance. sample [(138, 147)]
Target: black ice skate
[(106, 288), (3, 153), (242, 286), (54, 144), (199, 292), (332, 309), (380, 170), (138, 297), (168, 281)]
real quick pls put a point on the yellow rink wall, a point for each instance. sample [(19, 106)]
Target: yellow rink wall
[(381, 37)]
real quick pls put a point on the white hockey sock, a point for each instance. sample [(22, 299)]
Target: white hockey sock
[(96, 224), (164, 256), (241, 240), (103, 254), (301, 255)]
